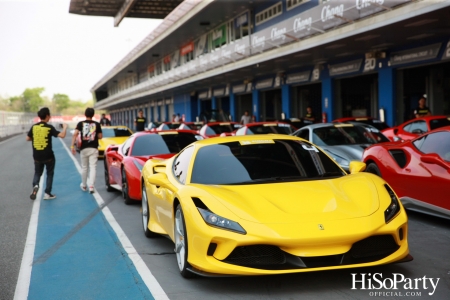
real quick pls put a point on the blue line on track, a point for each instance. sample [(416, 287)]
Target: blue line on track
[(77, 254)]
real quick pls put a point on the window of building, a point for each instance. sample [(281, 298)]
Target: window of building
[(218, 36), (239, 27), (269, 13), (290, 4)]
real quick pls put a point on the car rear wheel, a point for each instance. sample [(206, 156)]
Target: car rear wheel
[(108, 185), (125, 187), (181, 243), (373, 168), (146, 213)]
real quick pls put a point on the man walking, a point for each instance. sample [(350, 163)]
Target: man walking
[(40, 135), (91, 132), (140, 121)]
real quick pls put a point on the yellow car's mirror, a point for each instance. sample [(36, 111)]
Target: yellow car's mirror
[(356, 167)]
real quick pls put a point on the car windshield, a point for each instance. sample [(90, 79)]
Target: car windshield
[(221, 128), (168, 126), (152, 144), (270, 128), (437, 123), (347, 134), (261, 161), (115, 132)]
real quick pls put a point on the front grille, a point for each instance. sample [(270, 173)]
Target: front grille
[(378, 245), (268, 257), (256, 255)]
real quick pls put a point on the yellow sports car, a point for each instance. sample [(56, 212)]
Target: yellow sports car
[(111, 135), (270, 204)]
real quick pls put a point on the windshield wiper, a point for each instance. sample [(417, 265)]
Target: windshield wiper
[(330, 174), (270, 179)]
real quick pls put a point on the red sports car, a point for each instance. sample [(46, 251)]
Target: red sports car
[(191, 125), (380, 125), (415, 127), (265, 128), (418, 170), (214, 129), (123, 163)]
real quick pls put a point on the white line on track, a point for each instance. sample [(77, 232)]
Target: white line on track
[(145, 273), (23, 282)]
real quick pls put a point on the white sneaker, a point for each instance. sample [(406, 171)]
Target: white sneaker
[(91, 189), (49, 196), (83, 187)]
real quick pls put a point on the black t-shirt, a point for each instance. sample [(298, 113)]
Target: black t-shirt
[(41, 139), (89, 131), (421, 111), (105, 122), (140, 123)]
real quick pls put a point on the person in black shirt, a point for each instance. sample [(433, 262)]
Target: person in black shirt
[(309, 115), (104, 121), (90, 132), (40, 135), (422, 110), (140, 121)]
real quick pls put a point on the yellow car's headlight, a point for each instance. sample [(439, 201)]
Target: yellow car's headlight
[(220, 222), (393, 208)]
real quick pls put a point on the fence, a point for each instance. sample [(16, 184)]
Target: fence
[(15, 122)]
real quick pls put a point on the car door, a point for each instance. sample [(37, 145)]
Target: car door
[(429, 179), (165, 197), (116, 160)]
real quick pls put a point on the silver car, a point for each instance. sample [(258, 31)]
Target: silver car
[(344, 142)]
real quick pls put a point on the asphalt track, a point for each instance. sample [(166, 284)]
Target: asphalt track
[(92, 247)]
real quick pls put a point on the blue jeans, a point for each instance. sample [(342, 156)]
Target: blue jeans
[(39, 169)]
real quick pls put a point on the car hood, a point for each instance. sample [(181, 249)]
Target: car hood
[(349, 152), (105, 142), (348, 197)]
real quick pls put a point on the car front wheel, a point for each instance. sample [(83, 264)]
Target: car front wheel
[(146, 213), (181, 243), (125, 187)]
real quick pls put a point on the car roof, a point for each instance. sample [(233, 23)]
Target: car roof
[(322, 125), (258, 137), (262, 123)]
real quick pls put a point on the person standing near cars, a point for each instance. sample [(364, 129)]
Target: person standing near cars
[(140, 121), (422, 110), (310, 115), (91, 132), (40, 135), (245, 119), (104, 121)]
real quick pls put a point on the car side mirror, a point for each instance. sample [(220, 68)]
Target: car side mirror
[(433, 158), (356, 167), (160, 180)]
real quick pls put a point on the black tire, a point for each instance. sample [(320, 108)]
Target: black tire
[(108, 185), (125, 194), (181, 244), (146, 214), (373, 168)]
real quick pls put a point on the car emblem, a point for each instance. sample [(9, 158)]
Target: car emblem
[(321, 227)]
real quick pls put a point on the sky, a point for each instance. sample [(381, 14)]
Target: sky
[(42, 45)]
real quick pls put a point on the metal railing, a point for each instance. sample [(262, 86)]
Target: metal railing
[(14, 122)]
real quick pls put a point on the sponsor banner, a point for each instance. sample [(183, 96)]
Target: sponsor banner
[(415, 55), (188, 48), (201, 46), (344, 68), (219, 36), (298, 77), (446, 54), (175, 59), (220, 92), (241, 88), (263, 84), (166, 59), (151, 68)]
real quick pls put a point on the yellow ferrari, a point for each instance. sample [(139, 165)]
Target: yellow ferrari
[(112, 135), (270, 204)]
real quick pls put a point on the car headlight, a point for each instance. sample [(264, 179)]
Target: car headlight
[(393, 208), (139, 164), (220, 222)]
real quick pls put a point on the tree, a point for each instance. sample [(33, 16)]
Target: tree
[(61, 102), (32, 99)]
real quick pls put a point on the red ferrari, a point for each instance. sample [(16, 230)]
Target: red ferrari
[(380, 125), (418, 170), (415, 127), (214, 129), (123, 163), (266, 128)]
